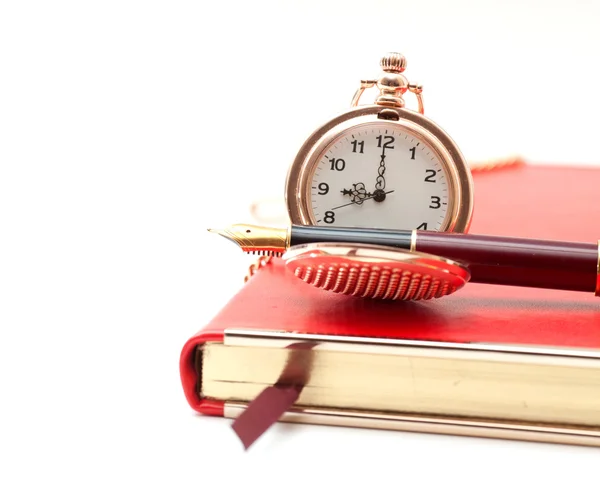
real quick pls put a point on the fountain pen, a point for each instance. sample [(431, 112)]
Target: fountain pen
[(559, 265)]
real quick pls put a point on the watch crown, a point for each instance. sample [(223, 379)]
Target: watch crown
[(393, 62)]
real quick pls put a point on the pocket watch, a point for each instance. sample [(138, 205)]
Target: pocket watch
[(381, 165)]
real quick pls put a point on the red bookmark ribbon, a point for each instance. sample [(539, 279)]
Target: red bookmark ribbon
[(266, 409)]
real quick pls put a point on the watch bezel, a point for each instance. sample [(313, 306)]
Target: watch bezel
[(297, 190)]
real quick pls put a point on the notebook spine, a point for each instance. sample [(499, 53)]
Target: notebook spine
[(189, 368)]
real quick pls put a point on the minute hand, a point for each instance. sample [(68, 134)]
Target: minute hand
[(354, 203), (380, 181)]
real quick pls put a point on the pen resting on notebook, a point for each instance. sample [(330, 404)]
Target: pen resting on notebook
[(553, 264)]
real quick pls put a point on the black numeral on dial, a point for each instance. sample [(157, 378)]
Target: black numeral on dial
[(430, 175), (422, 226), (323, 188), (329, 217), (386, 141), (337, 164), (358, 146), (412, 151), (435, 203)]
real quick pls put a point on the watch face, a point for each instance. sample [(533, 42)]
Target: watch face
[(381, 174)]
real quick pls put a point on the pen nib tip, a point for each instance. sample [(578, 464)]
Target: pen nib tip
[(219, 232)]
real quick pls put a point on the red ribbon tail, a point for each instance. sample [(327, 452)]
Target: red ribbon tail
[(263, 412)]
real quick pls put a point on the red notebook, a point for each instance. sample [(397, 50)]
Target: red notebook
[(537, 202)]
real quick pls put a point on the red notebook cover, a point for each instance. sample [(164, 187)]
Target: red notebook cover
[(536, 202)]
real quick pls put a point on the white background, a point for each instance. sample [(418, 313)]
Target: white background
[(128, 128)]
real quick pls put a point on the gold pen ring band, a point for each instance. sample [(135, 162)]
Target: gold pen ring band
[(598, 272)]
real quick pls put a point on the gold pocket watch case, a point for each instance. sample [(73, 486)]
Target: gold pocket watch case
[(381, 166)]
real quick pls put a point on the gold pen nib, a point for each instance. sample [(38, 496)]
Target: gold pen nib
[(257, 240)]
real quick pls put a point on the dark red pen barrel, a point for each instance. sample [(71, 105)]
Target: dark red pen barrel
[(516, 261)]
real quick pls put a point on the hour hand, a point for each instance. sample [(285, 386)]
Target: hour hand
[(358, 193)]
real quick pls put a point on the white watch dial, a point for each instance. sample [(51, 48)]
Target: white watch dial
[(380, 175)]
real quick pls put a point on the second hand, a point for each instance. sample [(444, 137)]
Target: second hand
[(354, 203)]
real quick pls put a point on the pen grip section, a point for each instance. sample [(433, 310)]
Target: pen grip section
[(301, 235)]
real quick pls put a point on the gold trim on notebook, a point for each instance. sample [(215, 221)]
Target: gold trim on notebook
[(374, 345), (435, 425)]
